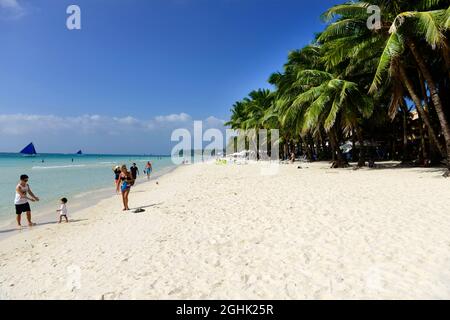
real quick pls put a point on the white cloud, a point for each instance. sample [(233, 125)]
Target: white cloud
[(96, 133), (10, 4), (127, 120), (24, 124), (213, 121), (11, 9), (182, 117)]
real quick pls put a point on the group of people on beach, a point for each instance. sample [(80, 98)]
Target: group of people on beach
[(22, 203), (124, 180)]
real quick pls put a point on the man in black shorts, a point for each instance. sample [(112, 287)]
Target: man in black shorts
[(23, 191), (134, 171)]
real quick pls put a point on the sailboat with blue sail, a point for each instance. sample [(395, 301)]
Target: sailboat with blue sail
[(29, 150)]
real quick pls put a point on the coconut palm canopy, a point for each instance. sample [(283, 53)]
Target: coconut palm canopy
[(386, 86)]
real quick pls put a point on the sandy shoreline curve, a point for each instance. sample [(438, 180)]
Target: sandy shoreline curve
[(46, 214), (230, 232)]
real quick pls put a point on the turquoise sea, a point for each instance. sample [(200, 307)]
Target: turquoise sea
[(53, 176)]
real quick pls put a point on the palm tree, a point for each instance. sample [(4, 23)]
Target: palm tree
[(317, 100), (238, 117), (402, 26), (333, 104), (321, 93), (250, 114), (426, 24)]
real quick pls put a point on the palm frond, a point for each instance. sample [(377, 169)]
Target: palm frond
[(347, 9), (393, 48)]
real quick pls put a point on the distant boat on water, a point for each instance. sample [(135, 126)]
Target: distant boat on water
[(79, 152), (29, 150)]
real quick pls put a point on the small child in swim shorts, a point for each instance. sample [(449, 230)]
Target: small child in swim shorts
[(63, 210)]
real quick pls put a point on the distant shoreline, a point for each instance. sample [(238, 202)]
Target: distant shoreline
[(89, 154)]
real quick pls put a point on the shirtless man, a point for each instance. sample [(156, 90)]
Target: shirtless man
[(21, 200)]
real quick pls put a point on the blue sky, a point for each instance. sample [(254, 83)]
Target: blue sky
[(137, 63)]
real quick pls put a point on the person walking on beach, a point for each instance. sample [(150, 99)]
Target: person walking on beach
[(63, 210), (134, 171), (126, 182), (21, 200), (148, 169)]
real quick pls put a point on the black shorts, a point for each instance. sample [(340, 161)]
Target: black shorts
[(20, 208)]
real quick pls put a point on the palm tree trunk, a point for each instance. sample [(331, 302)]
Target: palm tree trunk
[(299, 145), (361, 156), (319, 142), (435, 144), (434, 97), (257, 144), (418, 103), (340, 162), (325, 148), (309, 148), (316, 144), (423, 155), (446, 54), (405, 132), (353, 145), (333, 149), (394, 145), (285, 150)]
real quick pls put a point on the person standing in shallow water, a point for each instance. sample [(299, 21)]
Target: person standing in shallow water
[(21, 200), (148, 169)]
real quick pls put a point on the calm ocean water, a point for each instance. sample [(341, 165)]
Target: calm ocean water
[(58, 176)]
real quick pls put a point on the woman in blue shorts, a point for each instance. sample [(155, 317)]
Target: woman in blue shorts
[(126, 182)]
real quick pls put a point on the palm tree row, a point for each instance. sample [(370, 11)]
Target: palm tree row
[(359, 84)]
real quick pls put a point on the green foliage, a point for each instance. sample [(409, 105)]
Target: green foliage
[(348, 76)]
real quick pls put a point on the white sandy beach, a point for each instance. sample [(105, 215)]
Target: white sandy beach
[(229, 232)]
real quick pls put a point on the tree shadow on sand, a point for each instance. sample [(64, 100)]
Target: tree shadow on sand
[(441, 170)]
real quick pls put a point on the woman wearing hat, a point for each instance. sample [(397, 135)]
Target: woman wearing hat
[(117, 171)]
